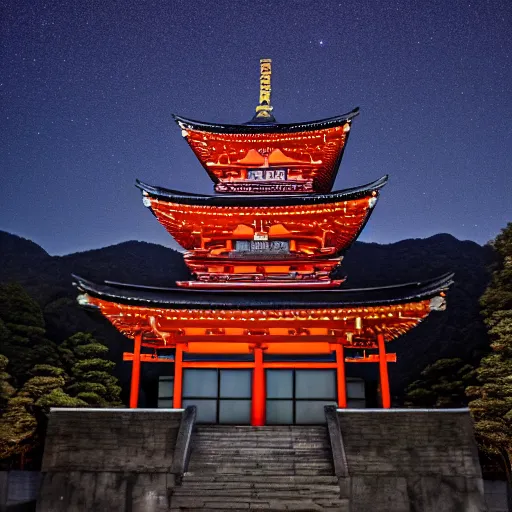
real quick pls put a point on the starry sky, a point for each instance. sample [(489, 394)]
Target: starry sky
[(88, 89)]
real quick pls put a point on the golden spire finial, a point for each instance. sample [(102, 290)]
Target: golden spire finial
[(264, 109)]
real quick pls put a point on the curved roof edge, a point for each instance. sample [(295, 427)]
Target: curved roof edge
[(186, 298), (191, 124), (175, 196)]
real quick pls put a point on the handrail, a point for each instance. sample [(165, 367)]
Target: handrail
[(181, 457), (337, 446)]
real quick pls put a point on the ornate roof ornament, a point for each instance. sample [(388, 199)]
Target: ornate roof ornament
[(264, 109)]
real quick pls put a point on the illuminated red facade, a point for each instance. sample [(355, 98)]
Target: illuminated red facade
[(265, 252), (254, 241), (279, 158)]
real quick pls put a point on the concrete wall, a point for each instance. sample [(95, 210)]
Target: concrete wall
[(496, 495), (18, 488), (411, 461), (99, 459)]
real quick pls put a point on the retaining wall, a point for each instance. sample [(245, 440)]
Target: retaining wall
[(411, 460), (109, 459)]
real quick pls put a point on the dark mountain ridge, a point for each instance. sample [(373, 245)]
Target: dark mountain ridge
[(458, 332)]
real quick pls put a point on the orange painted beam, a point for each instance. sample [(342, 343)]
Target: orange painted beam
[(384, 378), (218, 364), (135, 380), (147, 358), (258, 390), (266, 284), (178, 377), (341, 379), (299, 365), (250, 364), (372, 358), (208, 339)]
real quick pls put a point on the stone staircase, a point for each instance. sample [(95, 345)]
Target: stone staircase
[(263, 468)]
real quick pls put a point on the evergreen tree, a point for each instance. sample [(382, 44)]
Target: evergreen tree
[(24, 343), (20, 426), (91, 372), (6, 389), (442, 384), (492, 399)]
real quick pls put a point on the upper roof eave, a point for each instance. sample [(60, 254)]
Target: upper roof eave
[(175, 196), (253, 128), (184, 298)]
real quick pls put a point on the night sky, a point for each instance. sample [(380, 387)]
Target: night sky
[(88, 88)]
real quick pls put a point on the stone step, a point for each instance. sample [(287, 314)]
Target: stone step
[(285, 443), (264, 470), (264, 473), (200, 451), (226, 441), (278, 428), (277, 448), (270, 468), (238, 460), (223, 502), (262, 440), (263, 505), (194, 486), (289, 493), (196, 465), (281, 479), (262, 434), (263, 443), (259, 461), (263, 463)]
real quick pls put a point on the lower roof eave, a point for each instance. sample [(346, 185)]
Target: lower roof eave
[(257, 200), (243, 299)]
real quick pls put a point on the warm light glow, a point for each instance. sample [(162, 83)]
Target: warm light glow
[(315, 229), (260, 273), (264, 109), (308, 157), (282, 331)]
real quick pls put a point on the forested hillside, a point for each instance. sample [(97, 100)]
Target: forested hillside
[(458, 332)]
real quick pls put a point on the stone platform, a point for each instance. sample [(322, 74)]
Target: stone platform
[(406, 460), (360, 461)]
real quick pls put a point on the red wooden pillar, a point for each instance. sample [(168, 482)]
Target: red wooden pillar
[(340, 374), (135, 383), (178, 377), (258, 390), (383, 368)]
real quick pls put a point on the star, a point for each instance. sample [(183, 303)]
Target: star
[(321, 42)]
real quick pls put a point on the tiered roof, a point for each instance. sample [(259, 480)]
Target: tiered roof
[(306, 156), (333, 219), (284, 228)]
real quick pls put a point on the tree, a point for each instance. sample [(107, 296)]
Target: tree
[(6, 389), (442, 384), (491, 403), (21, 426), (17, 429), (24, 342), (91, 379)]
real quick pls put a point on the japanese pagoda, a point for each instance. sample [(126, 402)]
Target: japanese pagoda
[(263, 332)]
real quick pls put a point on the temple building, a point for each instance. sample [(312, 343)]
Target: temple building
[(263, 333)]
